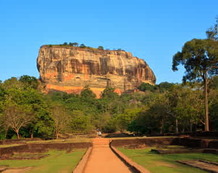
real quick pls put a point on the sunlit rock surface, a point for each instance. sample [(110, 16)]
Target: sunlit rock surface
[(69, 69)]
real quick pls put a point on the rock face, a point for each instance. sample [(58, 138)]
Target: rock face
[(69, 69)]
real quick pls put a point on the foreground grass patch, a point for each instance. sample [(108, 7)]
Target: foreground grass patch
[(10, 145), (57, 161), (166, 163), (70, 140)]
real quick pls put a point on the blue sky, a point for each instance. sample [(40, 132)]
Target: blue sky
[(153, 30)]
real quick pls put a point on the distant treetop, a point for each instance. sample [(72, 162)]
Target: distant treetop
[(75, 44)]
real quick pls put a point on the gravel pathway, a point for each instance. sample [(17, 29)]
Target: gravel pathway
[(103, 160)]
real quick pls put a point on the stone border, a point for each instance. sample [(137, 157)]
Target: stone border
[(207, 168), (83, 162), (159, 141), (133, 166), (42, 147)]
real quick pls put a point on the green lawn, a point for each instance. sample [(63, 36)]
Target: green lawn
[(9, 145), (56, 162), (70, 140), (166, 163)]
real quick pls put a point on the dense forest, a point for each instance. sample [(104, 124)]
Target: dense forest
[(26, 111)]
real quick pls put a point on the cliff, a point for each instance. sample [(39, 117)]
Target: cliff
[(69, 69)]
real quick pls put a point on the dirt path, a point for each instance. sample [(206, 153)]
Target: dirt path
[(103, 160)]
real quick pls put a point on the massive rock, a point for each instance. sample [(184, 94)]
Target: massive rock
[(69, 69)]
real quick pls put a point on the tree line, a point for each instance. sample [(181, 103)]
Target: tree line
[(82, 45), (25, 111), (75, 44)]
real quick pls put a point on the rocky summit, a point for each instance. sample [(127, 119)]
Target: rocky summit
[(70, 69)]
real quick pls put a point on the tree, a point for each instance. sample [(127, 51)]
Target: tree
[(213, 102), (111, 101), (213, 83), (2, 97), (3, 128), (80, 123), (147, 87), (100, 47), (43, 124), (29, 81), (61, 119), (212, 33), (100, 120), (186, 105), (16, 116), (26, 99), (214, 109), (75, 44), (200, 60), (123, 120), (165, 86), (82, 46), (109, 93), (12, 83), (87, 93)]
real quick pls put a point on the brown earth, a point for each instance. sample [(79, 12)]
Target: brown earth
[(102, 159)]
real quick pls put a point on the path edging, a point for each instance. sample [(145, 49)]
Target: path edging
[(83, 162), (136, 167), (198, 166)]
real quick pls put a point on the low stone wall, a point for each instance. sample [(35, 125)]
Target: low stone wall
[(188, 142), (83, 162), (196, 143), (136, 168), (18, 141), (60, 146), (142, 141), (10, 150), (40, 148), (213, 144), (205, 134)]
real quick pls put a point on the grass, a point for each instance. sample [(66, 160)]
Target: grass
[(166, 163), (70, 140), (57, 161), (9, 145), (76, 139)]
